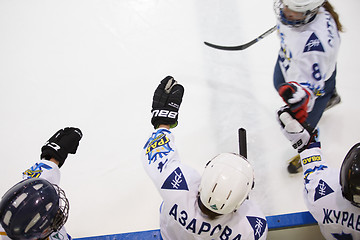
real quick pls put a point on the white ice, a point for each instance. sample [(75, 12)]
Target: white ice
[(94, 64)]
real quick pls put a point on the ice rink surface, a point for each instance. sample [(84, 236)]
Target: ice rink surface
[(95, 64)]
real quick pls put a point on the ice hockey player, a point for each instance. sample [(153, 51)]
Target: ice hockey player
[(331, 195), (305, 70), (36, 207), (214, 206)]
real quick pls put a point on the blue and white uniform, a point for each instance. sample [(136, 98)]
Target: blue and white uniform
[(51, 172), (180, 216), (336, 216), (308, 55)]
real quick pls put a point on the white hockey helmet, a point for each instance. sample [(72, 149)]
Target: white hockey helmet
[(308, 7), (226, 183), (303, 5)]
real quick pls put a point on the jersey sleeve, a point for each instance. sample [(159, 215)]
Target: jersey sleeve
[(312, 162), (44, 169), (160, 158), (317, 174)]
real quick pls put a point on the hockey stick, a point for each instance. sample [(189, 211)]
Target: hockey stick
[(244, 46), (242, 142)]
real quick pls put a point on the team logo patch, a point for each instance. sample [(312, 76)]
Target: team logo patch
[(57, 236), (312, 170), (315, 158), (158, 146), (214, 207), (322, 190), (316, 89), (313, 44), (36, 170), (175, 181), (258, 225)]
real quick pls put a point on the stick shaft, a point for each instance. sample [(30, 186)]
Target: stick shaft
[(242, 142), (243, 46)]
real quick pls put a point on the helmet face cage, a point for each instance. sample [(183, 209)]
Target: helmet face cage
[(308, 15), (63, 212), (61, 216), (350, 176)]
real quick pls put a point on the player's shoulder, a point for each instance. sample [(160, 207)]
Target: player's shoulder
[(60, 235), (295, 39), (321, 35), (180, 178), (323, 189), (249, 216), (250, 209), (317, 37)]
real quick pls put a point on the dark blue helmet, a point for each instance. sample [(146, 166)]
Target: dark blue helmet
[(350, 175), (33, 209)]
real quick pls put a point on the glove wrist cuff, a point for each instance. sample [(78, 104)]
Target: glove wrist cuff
[(47, 153)]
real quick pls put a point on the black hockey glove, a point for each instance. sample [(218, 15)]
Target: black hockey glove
[(62, 143), (299, 134), (166, 102)]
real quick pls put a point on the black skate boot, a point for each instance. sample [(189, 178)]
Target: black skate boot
[(334, 100), (294, 165)]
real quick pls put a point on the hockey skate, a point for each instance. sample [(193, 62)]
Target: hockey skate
[(334, 100), (294, 164)]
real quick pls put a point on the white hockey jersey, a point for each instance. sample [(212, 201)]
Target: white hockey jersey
[(180, 216), (336, 216), (51, 172), (308, 54)]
